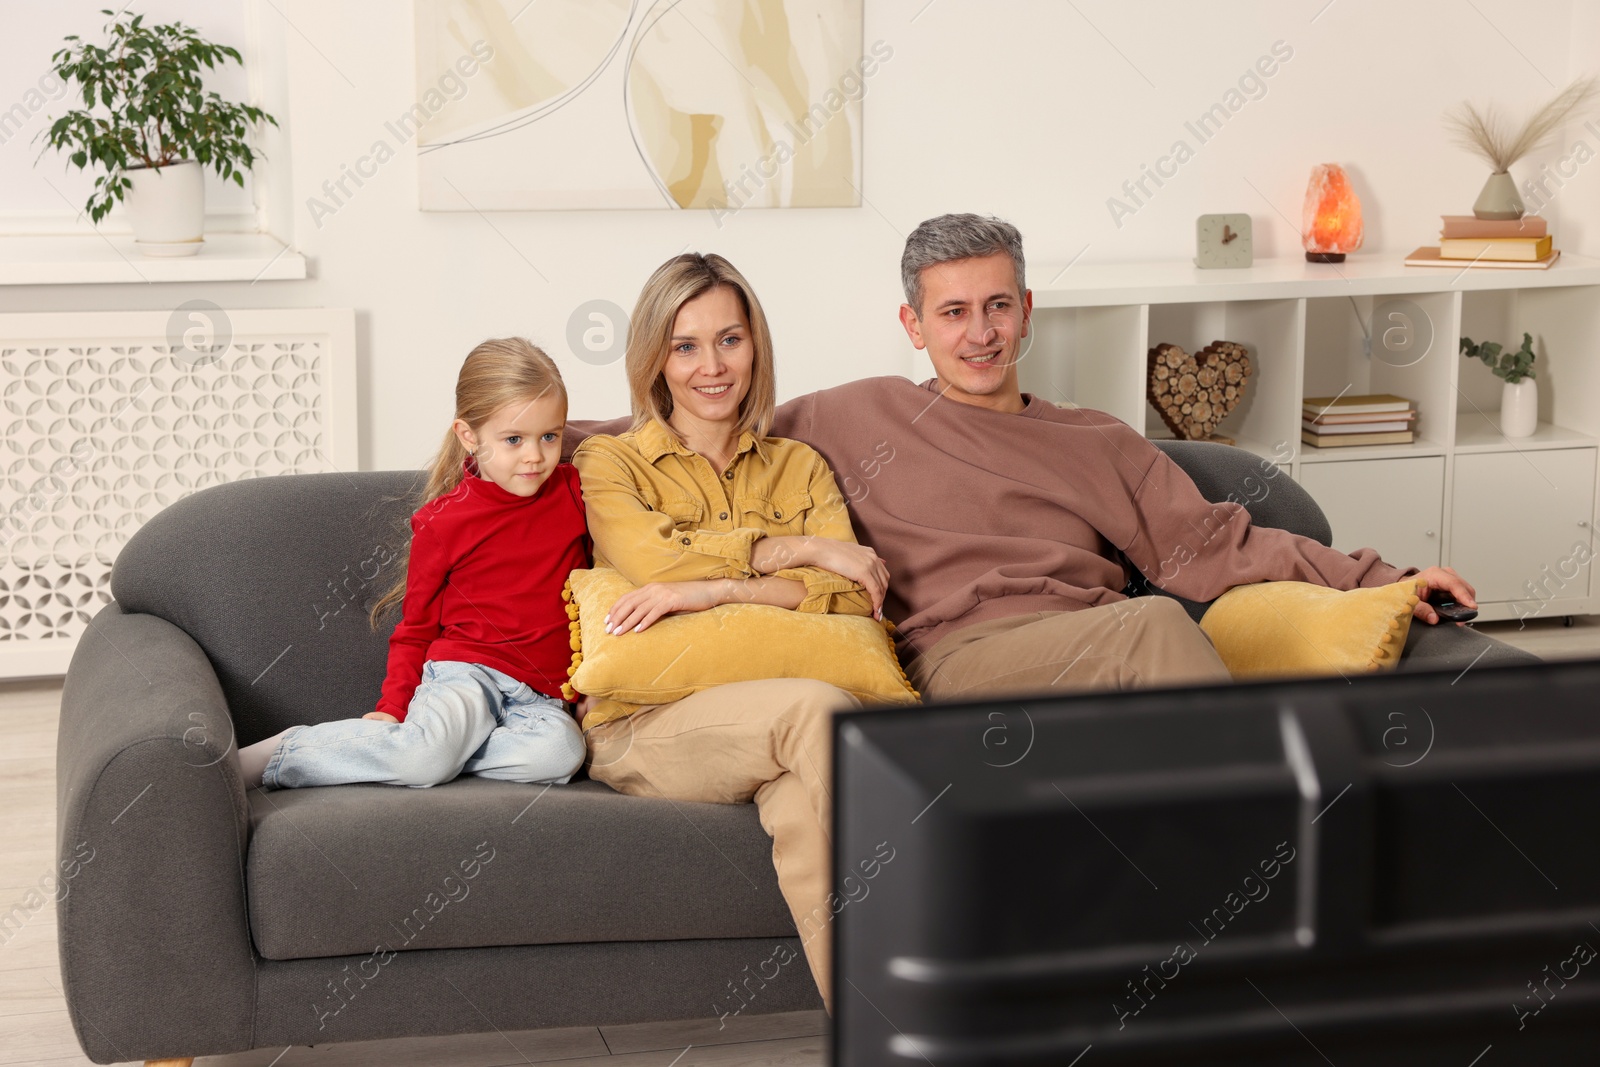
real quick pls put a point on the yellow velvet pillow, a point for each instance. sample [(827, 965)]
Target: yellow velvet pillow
[(1273, 629), (683, 654)]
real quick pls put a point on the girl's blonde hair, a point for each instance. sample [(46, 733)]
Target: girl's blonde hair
[(675, 283), (498, 372)]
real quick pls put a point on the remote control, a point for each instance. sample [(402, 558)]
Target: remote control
[(1449, 610)]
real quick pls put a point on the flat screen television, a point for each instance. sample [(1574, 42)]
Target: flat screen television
[(1398, 869)]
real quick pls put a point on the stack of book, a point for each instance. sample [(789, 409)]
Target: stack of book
[(1467, 241), (1343, 421)]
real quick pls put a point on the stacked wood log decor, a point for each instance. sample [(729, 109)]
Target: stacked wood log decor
[(1193, 394)]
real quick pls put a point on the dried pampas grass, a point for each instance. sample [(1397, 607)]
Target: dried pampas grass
[(1500, 144)]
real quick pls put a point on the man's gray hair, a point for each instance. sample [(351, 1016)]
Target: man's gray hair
[(952, 237)]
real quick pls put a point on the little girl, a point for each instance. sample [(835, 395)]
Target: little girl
[(477, 662)]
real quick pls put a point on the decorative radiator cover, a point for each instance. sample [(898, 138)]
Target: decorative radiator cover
[(108, 417)]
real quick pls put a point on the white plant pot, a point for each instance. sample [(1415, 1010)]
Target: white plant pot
[(167, 208), (1519, 408)]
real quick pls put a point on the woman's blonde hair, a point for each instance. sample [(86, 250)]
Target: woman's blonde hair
[(675, 283), (498, 372)]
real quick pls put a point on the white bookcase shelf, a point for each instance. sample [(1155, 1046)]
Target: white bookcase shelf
[(1477, 432), (1346, 453), (1510, 514)]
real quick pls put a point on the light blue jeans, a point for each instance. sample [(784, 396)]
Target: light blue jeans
[(465, 718)]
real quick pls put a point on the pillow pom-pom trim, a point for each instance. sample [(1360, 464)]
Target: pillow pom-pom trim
[(567, 692), (888, 628)]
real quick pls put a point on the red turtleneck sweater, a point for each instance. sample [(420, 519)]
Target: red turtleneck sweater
[(483, 584)]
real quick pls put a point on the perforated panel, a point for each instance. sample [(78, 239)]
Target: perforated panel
[(102, 433)]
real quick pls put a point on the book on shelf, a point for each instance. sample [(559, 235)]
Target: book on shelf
[(1317, 440), (1428, 256), (1472, 226), (1521, 249), (1339, 419), (1353, 404), (1336, 428)]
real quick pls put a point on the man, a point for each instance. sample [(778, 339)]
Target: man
[(1001, 517)]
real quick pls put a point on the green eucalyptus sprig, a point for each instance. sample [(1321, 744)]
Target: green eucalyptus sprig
[(145, 106), (1512, 367)]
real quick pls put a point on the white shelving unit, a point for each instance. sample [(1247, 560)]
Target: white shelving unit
[(1514, 515)]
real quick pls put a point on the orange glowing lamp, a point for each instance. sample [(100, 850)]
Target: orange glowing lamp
[(1331, 220)]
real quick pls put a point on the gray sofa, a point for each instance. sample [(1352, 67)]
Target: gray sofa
[(212, 920)]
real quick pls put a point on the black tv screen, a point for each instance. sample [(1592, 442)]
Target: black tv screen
[(1397, 869)]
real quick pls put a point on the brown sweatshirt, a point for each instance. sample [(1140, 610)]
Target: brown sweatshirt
[(983, 515)]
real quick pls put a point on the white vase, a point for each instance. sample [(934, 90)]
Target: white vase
[(167, 208), (1519, 408)]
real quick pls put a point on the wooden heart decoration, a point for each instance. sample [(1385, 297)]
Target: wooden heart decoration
[(1192, 394)]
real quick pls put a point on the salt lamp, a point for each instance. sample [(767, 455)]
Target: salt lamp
[(1331, 221)]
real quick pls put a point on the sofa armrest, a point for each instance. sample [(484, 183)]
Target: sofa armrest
[(1448, 647), (152, 828)]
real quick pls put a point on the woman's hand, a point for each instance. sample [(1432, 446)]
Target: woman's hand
[(1447, 579), (381, 716), (859, 563), (637, 610)]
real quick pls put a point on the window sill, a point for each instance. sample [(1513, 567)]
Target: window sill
[(113, 260)]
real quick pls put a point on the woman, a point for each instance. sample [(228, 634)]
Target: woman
[(697, 507)]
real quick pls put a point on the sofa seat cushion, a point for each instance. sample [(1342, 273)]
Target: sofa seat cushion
[(363, 869)]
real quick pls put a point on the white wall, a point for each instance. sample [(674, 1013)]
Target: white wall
[(1580, 213), (1027, 110)]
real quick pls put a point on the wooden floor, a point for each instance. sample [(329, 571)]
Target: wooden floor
[(1550, 638), (34, 1028)]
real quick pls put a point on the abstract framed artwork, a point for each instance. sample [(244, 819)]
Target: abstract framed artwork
[(708, 104)]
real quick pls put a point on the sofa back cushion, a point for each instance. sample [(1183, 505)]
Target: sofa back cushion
[(1225, 473), (272, 577)]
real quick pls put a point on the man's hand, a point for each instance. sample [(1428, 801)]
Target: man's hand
[(637, 610), (1447, 579), (381, 716), (858, 563)]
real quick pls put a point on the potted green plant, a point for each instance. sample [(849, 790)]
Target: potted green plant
[(1519, 396), (150, 126)]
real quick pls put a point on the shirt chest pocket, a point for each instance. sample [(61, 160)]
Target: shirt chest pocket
[(685, 514), (780, 513)]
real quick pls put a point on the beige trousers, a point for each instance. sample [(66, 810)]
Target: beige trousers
[(1146, 641), (767, 741)]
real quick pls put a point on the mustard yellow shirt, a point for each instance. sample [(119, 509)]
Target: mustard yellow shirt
[(658, 512)]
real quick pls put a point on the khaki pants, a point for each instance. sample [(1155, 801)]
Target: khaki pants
[(1146, 641), (765, 741)]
